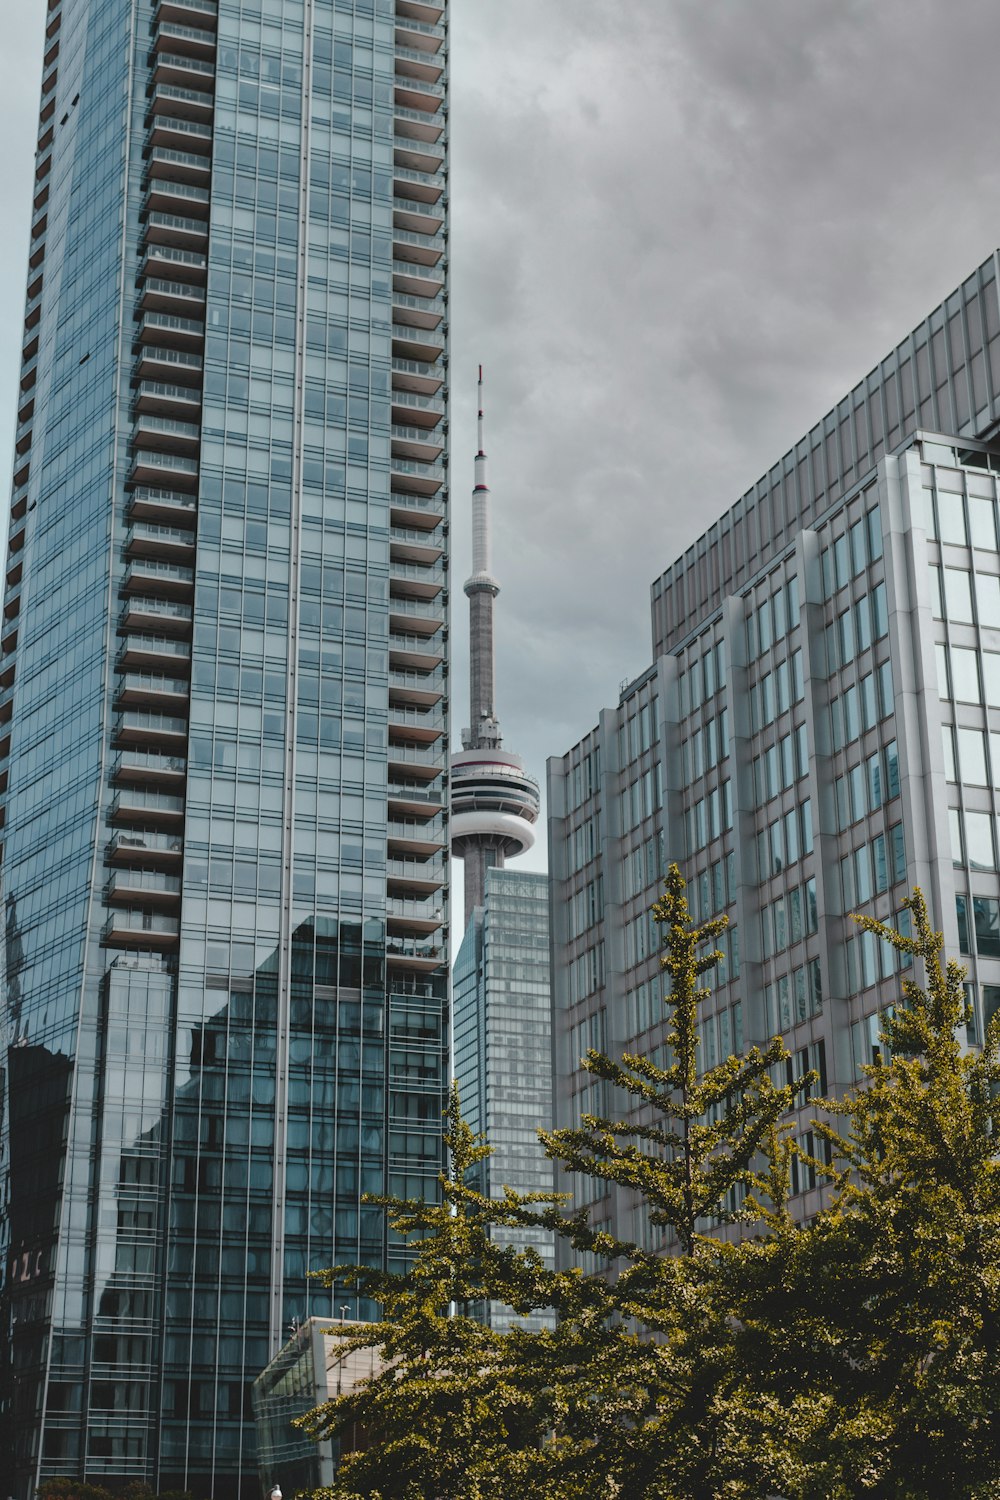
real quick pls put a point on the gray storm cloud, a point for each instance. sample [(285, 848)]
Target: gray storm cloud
[(681, 230)]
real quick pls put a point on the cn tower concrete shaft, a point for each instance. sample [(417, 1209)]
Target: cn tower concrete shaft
[(494, 801)]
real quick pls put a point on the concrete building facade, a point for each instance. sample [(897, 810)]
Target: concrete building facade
[(223, 713), (818, 733)]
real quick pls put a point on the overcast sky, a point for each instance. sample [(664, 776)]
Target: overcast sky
[(681, 230)]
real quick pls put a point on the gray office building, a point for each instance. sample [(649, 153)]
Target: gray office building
[(502, 1047), (223, 713), (818, 732)]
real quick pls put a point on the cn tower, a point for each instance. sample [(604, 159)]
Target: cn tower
[(494, 801)]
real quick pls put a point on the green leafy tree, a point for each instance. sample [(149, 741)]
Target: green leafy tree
[(877, 1327), (632, 1393), (691, 1149)]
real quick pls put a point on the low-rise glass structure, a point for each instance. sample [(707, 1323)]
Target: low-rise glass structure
[(502, 1046)]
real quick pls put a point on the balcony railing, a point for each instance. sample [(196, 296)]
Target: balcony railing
[(137, 845), (148, 501)]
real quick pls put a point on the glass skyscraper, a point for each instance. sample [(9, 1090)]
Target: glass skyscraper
[(223, 712), (503, 1048), (819, 732)]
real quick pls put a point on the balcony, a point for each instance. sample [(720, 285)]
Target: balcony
[(182, 103), (163, 468), (411, 581), (404, 875), (419, 62), (166, 505), (418, 312), (409, 837), (169, 580), (173, 364), (166, 434), (422, 34), (137, 805), (168, 165), (422, 344), (175, 198), (144, 613), (418, 120), (174, 333), (418, 726), (169, 260), (416, 377), (188, 72), (152, 690), (416, 762), (417, 156), (149, 539), (178, 297), (421, 218), (417, 96), (408, 545), (410, 798), (143, 888), (411, 477), (154, 653), (141, 929), (409, 408), (416, 689), (417, 280), (429, 11), (409, 953), (423, 444), (410, 182), (415, 617), (175, 229), (185, 41), (146, 768), (205, 12), (151, 731), (416, 512), (174, 130), (406, 917), (164, 399), (143, 847), (425, 249), (413, 653)]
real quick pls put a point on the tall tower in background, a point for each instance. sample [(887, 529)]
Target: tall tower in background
[(223, 716), (494, 801)]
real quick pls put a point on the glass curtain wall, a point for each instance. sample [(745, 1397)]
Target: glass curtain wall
[(223, 717)]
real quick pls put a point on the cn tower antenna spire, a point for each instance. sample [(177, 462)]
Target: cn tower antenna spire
[(494, 801), (482, 589)]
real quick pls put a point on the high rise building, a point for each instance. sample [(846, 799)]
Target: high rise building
[(503, 1048), (494, 801), (819, 732), (223, 714)]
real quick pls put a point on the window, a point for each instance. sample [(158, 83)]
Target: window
[(958, 595), (972, 756), (983, 524), (965, 675), (880, 612), (988, 600), (962, 916), (986, 916), (951, 518), (891, 771), (948, 746), (979, 842)]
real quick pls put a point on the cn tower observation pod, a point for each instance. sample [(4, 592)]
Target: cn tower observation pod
[(494, 802)]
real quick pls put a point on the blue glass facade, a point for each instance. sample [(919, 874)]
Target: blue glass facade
[(223, 711), (503, 1050)]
